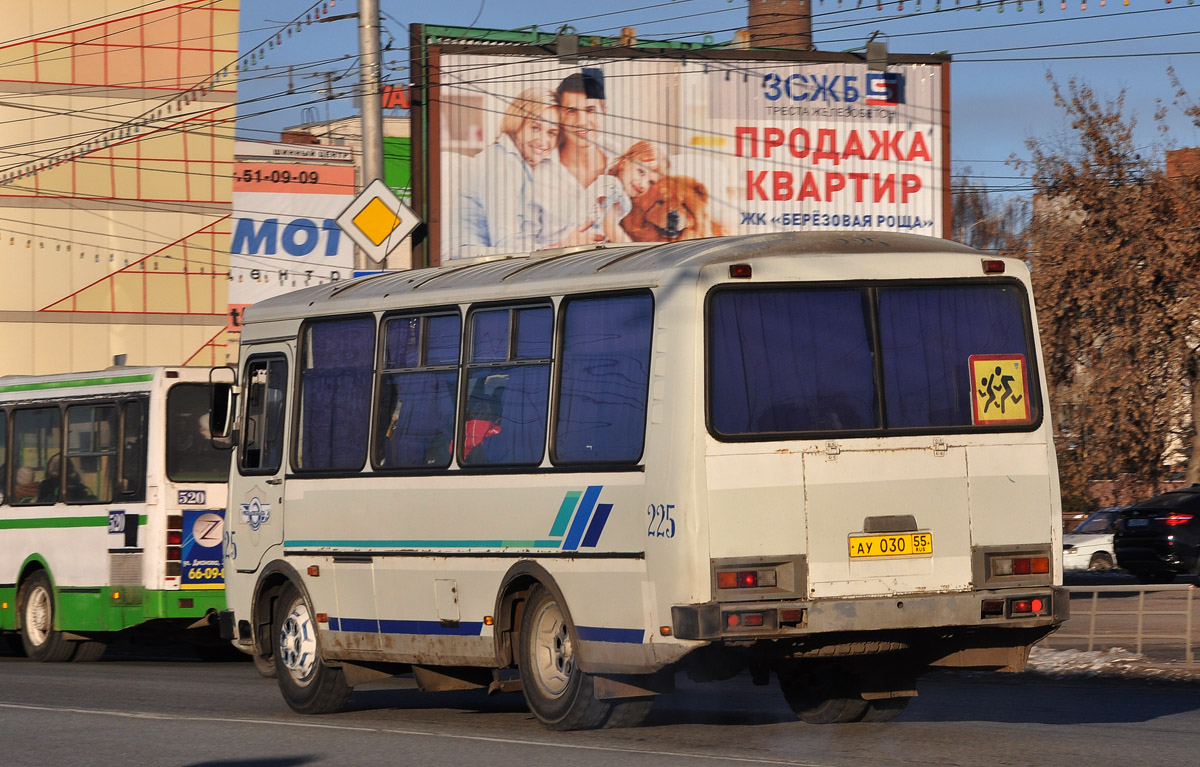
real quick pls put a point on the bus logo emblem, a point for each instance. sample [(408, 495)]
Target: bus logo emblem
[(255, 513), (581, 519)]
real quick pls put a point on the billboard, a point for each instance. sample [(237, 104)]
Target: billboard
[(284, 230), (524, 151)]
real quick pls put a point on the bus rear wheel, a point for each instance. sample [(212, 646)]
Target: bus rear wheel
[(823, 695), (560, 694), (885, 709), (308, 684), (36, 607)]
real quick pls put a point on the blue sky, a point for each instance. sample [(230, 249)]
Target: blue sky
[(1002, 53)]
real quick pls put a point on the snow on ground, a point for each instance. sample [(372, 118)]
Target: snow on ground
[(1115, 661)]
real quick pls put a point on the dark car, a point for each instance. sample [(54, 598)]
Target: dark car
[(1159, 538)]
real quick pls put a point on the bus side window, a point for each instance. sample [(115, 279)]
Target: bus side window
[(417, 388), (262, 442), (336, 367), (91, 462), (601, 413), (508, 379), (3, 456), (37, 442), (133, 451)]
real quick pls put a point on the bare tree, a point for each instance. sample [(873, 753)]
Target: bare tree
[(982, 218), (1114, 255)]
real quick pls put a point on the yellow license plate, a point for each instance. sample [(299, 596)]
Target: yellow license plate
[(891, 545)]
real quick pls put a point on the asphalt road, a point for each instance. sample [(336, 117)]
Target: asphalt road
[(176, 712)]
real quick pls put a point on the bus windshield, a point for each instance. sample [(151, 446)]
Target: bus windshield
[(191, 456), (870, 360)]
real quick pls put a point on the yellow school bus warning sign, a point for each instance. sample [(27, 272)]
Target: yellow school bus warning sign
[(1001, 388)]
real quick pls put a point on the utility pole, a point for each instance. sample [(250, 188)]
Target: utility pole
[(371, 100)]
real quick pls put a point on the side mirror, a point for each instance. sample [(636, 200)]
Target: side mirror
[(223, 386)]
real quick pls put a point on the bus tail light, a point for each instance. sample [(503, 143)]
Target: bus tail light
[(1020, 565), (174, 543), (746, 579), (1027, 606), (746, 620)]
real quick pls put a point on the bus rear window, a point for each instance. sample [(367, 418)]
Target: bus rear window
[(191, 456), (848, 359)]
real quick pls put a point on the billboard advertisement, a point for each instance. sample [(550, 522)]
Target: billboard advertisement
[(530, 152), (284, 231)]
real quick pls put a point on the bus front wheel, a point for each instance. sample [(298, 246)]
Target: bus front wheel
[(308, 684), (38, 637), (559, 693)]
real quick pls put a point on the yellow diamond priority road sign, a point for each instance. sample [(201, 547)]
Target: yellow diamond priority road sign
[(377, 220)]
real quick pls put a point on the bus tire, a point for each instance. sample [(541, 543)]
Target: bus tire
[(823, 695), (264, 665), (629, 712), (88, 652), (309, 685), (559, 693), (885, 709), (38, 636)]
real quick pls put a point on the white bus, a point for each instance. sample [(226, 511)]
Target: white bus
[(820, 456), (112, 502)]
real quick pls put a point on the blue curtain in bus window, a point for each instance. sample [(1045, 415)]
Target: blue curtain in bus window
[(790, 361), (535, 327), (605, 373), (489, 336), (336, 394), (403, 343), (523, 397), (416, 407), (926, 337), (417, 412), (443, 333)]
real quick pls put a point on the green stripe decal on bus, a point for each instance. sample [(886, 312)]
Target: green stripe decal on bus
[(48, 522), (564, 513), (75, 383)]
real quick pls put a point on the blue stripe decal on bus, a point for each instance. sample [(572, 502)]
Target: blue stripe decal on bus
[(601, 634), (423, 628), (592, 536), (582, 515), (364, 625), (464, 629)]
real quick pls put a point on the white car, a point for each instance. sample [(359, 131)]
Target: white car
[(1089, 546)]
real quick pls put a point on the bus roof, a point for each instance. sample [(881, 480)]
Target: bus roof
[(602, 266), (66, 381)]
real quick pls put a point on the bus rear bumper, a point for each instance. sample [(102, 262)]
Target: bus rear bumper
[(1025, 608)]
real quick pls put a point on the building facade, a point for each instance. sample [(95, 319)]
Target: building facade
[(116, 159)]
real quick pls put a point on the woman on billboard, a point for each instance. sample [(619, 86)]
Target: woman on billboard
[(495, 207)]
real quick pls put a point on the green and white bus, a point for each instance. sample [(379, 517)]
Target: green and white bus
[(112, 509), (818, 458)]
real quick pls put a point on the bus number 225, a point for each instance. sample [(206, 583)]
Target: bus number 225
[(661, 524)]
